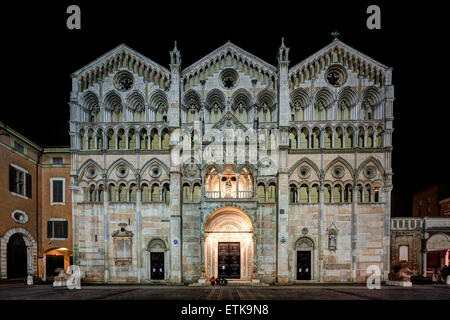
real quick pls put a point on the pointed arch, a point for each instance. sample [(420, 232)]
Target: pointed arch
[(309, 162), (118, 162), (341, 160), (375, 161), (88, 163), (154, 161), (215, 96)]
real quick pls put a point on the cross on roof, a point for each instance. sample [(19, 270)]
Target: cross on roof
[(335, 34)]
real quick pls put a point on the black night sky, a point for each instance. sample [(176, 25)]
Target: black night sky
[(41, 53)]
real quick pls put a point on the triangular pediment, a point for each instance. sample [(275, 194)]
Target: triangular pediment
[(229, 120), (339, 52), (235, 51), (121, 57)]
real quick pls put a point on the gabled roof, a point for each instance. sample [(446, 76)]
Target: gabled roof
[(122, 48), (229, 117), (341, 45), (235, 50)]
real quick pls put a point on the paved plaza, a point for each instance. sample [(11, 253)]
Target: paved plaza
[(18, 291)]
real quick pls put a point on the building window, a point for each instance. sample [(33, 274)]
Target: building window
[(57, 186), (18, 147), (57, 229), (403, 253), (58, 160), (19, 181)]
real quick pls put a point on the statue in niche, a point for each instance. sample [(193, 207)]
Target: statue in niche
[(228, 188)]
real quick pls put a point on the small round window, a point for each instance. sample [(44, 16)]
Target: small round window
[(370, 172), (91, 172), (19, 216), (338, 171), (229, 78), (304, 172), (336, 75), (122, 171), (123, 81), (155, 171)]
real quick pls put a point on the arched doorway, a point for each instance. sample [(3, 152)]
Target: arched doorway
[(229, 244), (17, 257), (438, 251), (304, 256), (157, 260)]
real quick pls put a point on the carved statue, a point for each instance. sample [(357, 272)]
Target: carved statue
[(401, 272), (228, 188)]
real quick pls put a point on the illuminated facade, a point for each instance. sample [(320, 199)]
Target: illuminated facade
[(314, 205)]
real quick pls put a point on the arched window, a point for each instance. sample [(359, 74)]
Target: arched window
[(132, 191), (303, 195), (101, 192), (315, 194), (154, 139), (332, 240), (121, 139), (92, 197), (338, 140), (110, 137), (293, 139), (316, 138), (165, 136), (349, 137), (82, 140), (327, 193), (337, 194), (348, 193), (166, 193), (361, 143), (143, 136), (91, 141), (145, 193), (187, 193), (359, 193), (156, 197), (293, 197), (271, 196), (112, 193), (131, 139), (122, 193), (368, 193), (304, 138), (99, 138), (197, 193), (327, 138), (370, 138), (376, 195), (379, 137), (261, 190)]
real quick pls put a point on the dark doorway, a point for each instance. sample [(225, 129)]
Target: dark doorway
[(229, 260), (157, 263), (17, 257), (303, 265), (53, 262)]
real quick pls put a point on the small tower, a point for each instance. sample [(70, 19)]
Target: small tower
[(175, 87), (283, 69)]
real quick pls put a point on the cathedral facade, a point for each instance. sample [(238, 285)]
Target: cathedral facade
[(231, 167)]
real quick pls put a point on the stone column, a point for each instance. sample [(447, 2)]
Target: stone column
[(106, 274), (175, 226), (424, 262)]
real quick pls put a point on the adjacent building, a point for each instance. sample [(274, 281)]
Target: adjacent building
[(423, 241), (35, 207)]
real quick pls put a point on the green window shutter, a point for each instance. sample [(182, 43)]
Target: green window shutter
[(12, 179), (49, 229), (28, 184)]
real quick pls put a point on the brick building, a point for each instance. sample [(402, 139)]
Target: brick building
[(30, 204), (426, 203)]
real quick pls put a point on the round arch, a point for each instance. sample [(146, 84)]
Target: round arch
[(229, 228), (31, 250)]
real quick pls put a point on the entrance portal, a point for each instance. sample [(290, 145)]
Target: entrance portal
[(228, 246), (229, 260), (157, 261), (303, 265), (17, 257)]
